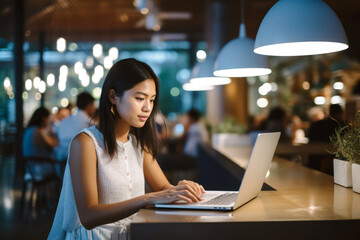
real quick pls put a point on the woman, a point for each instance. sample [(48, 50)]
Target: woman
[(39, 140), (108, 164)]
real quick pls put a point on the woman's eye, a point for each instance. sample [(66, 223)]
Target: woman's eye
[(152, 100), (139, 98)]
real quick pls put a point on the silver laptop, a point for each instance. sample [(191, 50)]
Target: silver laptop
[(251, 184)]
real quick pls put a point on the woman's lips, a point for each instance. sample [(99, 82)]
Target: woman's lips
[(143, 118)]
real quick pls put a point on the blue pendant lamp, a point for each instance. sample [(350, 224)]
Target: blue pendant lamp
[(202, 73), (237, 58), (300, 28)]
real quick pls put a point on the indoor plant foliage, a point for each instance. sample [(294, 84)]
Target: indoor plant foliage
[(346, 141), (230, 133)]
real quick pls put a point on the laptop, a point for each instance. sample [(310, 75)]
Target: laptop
[(250, 186)]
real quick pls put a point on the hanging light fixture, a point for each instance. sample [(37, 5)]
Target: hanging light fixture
[(299, 28), (237, 58), (197, 87), (202, 73)]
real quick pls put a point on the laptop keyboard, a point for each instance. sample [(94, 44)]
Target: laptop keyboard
[(223, 199)]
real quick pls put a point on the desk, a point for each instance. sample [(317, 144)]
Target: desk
[(306, 205)]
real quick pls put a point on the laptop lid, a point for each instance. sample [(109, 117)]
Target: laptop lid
[(257, 168), (254, 177)]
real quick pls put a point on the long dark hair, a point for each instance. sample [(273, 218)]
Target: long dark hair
[(124, 75), (38, 117)]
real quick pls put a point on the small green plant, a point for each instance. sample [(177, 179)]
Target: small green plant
[(229, 125), (346, 141)]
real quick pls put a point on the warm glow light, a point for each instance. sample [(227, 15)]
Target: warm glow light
[(113, 53), (108, 62), (320, 100), (336, 100), (73, 46), (175, 92), (95, 78), (50, 80), (265, 89), (89, 61), (97, 50), (64, 102), (262, 102), (85, 80), (96, 92), (306, 85), (36, 82), (338, 85), (144, 11), (28, 84), (25, 95), (64, 70), (77, 67), (61, 45), (201, 55), (7, 82), (74, 92), (42, 87), (99, 71), (274, 87), (197, 87), (37, 96), (62, 85), (211, 80)]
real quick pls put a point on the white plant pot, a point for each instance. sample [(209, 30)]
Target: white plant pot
[(356, 177), (342, 173)]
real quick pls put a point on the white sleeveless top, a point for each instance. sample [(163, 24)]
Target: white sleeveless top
[(118, 179)]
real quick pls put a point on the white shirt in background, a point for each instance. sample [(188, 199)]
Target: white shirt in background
[(67, 129)]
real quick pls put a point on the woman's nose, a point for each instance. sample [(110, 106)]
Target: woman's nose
[(147, 106)]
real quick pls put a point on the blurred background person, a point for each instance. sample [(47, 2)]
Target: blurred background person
[(321, 130), (71, 125), (39, 139), (39, 142), (195, 132), (60, 115)]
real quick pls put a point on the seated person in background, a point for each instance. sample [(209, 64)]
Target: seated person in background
[(277, 121), (60, 115), (39, 141), (71, 125), (195, 132), (321, 130)]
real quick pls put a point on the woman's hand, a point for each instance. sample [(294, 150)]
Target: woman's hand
[(187, 191)]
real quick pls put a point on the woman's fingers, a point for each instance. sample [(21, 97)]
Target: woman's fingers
[(193, 188)]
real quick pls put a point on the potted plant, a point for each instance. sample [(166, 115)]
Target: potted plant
[(230, 133), (346, 141)]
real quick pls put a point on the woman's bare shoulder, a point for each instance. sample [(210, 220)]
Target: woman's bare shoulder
[(82, 139)]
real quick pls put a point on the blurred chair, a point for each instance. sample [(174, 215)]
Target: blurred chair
[(39, 172)]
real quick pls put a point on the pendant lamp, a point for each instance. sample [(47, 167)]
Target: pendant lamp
[(197, 87), (237, 57), (202, 73), (300, 28)]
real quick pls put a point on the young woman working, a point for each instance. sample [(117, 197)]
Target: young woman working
[(104, 181)]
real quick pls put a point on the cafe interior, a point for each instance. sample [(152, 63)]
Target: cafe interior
[(240, 64)]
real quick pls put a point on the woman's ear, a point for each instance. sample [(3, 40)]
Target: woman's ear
[(112, 96)]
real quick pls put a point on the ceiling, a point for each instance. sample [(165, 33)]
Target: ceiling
[(119, 20)]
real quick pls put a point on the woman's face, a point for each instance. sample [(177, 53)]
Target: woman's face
[(136, 104)]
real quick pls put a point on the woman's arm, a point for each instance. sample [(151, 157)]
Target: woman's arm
[(83, 172), (158, 182)]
